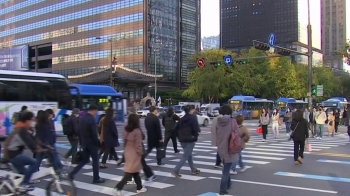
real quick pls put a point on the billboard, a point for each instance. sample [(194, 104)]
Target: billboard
[(14, 58)]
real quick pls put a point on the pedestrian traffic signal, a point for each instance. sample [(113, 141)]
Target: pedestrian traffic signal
[(313, 90), (261, 46), (283, 52), (242, 62)]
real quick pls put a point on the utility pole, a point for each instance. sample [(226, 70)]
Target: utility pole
[(155, 77), (309, 38)]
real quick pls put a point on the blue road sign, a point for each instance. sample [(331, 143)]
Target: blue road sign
[(228, 60), (272, 39)]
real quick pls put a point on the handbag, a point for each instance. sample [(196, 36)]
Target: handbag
[(79, 156), (259, 130), (292, 134), (280, 122), (331, 123), (160, 153), (308, 147)]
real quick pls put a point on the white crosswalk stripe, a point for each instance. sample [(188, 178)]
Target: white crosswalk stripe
[(256, 155)]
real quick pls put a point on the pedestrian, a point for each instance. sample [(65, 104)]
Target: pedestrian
[(288, 120), (306, 116), (187, 131), (336, 120), (226, 125), (169, 122), (331, 123), (312, 121), (109, 137), (264, 122), (16, 115), (344, 116), (245, 138), (38, 116), (275, 123), (70, 129), (299, 135), (154, 132), (89, 143), (214, 139), (320, 119), (347, 120), (133, 152)]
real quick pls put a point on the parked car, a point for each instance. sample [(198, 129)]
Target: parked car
[(143, 112), (202, 119)]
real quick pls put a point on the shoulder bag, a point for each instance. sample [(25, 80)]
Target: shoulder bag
[(292, 134)]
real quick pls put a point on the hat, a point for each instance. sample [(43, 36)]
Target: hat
[(75, 111)]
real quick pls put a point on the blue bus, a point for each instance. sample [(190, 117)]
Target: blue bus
[(283, 103), (335, 103), (249, 106), (100, 95)]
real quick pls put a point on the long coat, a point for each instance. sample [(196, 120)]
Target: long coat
[(154, 131), (110, 135), (331, 128), (214, 122), (133, 151)]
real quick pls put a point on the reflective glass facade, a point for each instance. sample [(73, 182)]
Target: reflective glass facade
[(73, 37)]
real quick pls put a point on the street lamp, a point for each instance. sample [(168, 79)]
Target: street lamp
[(155, 65), (113, 60)]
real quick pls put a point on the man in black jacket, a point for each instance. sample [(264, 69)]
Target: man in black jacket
[(169, 122), (154, 132), (89, 143), (71, 126)]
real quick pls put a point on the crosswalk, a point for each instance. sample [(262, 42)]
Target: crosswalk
[(256, 155)]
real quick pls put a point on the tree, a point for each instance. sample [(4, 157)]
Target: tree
[(209, 82), (324, 76)]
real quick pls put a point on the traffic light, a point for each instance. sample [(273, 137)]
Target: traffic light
[(216, 64), (283, 52), (313, 90), (242, 62), (261, 46)]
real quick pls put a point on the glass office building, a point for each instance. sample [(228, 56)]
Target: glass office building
[(74, 37)]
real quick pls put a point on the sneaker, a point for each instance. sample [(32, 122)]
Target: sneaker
[(195, 172), (176, 174), (218, 166), (233, 172), (117, 192), (152, 178), (288, 134), (25, 188), (243, 169), (317, 138), (144, 189), (263, 140), (320, 138), (177, 152)]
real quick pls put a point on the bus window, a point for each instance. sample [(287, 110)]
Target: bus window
[(236, 105)]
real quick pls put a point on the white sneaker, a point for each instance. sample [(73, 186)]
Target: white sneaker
[(144, 189), (152, 178), (287, 134), (243, 169), (317, 138), (117, 192), (263, 140), (233, 172), (320, 138)]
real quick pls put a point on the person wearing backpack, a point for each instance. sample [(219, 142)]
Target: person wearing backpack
[(229, 145), (70, 129), (169, 122), (187, 131), (16, 115), (245, 138)]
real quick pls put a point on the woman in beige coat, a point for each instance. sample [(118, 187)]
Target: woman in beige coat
[(133, 151), (331, 123)]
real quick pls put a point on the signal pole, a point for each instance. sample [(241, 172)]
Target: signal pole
[(309, 38)]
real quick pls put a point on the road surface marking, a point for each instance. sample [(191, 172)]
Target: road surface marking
[(331, 154), (309, 176), (205, 163), (280, 185), (246, 161), (203, 170), (334, 161)]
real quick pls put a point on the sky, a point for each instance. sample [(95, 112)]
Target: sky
[(211, 17)]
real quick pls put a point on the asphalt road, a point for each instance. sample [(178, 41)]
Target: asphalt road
[(272, 171)]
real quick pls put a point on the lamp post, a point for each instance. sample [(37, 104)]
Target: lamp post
[(309, 37), (113, 60)]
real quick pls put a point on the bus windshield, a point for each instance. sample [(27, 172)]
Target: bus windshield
[(281, 105), (236, 105)]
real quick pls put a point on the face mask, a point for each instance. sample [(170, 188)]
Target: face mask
[(32, 124)]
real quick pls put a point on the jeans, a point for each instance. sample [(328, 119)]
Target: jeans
[(73, 150), (187, 155), (275, 129), (53, 157), (225, 177), (312, 128), (218, 160), (240, 162), (287, 126), (264, 131), (128, 176), (170, 135), (298, 149), (20, 161), (88, 151), (319, 130)]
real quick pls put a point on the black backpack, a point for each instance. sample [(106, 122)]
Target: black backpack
[(169, 123), (67, 125)]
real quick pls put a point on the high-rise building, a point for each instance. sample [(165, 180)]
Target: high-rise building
[(243, 21), (74, 37), (211, 42), (333, 31)]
